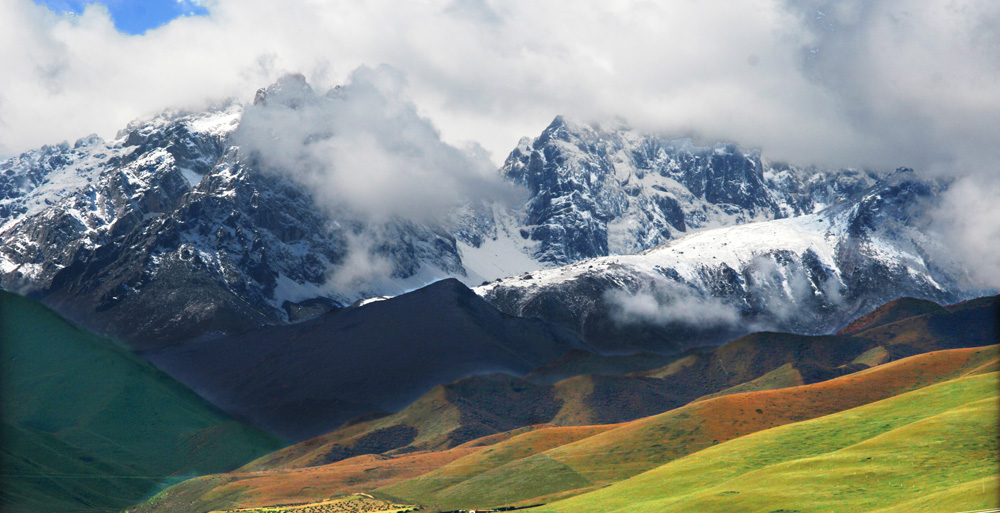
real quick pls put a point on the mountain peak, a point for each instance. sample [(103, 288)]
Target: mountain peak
[(290, 90)]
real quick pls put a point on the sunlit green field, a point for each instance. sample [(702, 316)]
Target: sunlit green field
[(933, 449)]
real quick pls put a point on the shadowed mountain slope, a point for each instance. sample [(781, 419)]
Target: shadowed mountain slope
[(890, 312), (304, 379), (965, 324)]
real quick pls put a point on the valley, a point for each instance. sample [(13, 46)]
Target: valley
[(590, 467)]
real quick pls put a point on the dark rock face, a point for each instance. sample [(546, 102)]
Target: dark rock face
[(169, 233), (812, 274), (595, 192)]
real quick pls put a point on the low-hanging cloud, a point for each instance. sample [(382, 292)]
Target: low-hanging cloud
[(664, 302), (778, 296), (363, 146), (967, 221), (362, 268)]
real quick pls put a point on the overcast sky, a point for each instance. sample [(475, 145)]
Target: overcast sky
[(853, 82)]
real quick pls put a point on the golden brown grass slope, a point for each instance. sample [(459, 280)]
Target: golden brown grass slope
[(643, 444)]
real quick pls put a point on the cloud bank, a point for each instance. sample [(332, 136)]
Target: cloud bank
[(862, 83), (854, 82), (967, 221), (364, 147), (666, 302)]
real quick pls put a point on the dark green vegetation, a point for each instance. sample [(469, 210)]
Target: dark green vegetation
[(87, 426)]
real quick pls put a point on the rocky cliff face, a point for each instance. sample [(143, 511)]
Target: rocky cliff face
[(169, 232), (806, 274), (595, 192)]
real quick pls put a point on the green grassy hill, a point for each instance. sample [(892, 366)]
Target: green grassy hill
[(930, 448), (644, 444), (88, 426)]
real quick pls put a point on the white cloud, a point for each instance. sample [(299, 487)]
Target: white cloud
[(967, 220), (665, 302), (362, 146), (363, 268), (880, 83), (892, 82)]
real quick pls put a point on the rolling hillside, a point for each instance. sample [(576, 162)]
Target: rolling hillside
[(884, 456), (644, 444), (547, 463), (481, 405), (87, 426)]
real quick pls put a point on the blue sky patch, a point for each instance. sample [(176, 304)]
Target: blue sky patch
[(133, 16)]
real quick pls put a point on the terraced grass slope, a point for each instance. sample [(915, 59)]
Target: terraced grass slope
[(87, 426), (363, 503), (932, 449)]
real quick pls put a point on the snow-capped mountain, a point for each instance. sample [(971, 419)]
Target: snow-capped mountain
[(166, 232), (599, 191), (806, 274), (172, 230)]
